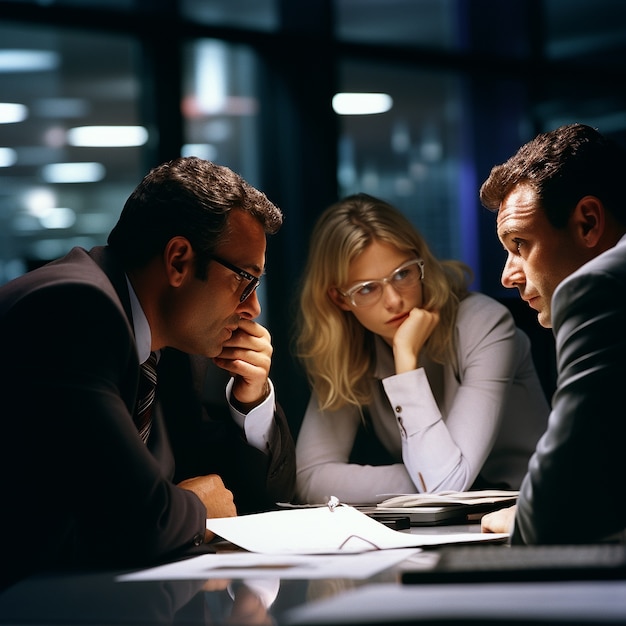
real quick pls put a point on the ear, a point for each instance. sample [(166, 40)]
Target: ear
[(338, 299), (588, 220), (178, 259)]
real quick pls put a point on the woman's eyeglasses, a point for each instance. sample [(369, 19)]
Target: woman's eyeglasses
[(402, 279)]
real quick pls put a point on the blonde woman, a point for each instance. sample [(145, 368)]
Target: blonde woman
[(395, 345)]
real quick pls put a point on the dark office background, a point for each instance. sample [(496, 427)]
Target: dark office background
[(250, 84)]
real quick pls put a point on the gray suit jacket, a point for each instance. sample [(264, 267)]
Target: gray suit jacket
[(575, 489)]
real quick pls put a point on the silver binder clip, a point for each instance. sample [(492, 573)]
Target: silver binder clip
[(332, 503)]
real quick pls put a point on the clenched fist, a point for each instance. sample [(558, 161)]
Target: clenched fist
[(216, 498)]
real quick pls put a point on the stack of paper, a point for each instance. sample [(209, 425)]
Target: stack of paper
[(450, 498), (445, 507)]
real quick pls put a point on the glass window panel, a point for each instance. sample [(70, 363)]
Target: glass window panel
[(563, 103), (253, 14), (588, 37), (221, 110), (409, 155), (591, 32), (220, 105), (429, 23), (78, 79)]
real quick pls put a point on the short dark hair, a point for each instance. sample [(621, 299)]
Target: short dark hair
[(187, 197), (561, 167)]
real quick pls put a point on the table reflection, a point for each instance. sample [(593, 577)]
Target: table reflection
[(94, 599)]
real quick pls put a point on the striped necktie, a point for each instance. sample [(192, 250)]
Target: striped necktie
[(145, 397)]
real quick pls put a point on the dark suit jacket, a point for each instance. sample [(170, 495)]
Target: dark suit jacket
[(206, 440), (575, 489), (79, 488)]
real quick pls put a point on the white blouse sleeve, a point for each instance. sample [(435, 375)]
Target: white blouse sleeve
[(323, 450), (448, 452)]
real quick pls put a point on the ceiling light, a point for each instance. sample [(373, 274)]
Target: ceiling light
[(8, 157), (58, 217), (205, 151), (73, 172), (211, 76), (28, 60), (39, 199), (12, 112), (107, 136), (361, 103)]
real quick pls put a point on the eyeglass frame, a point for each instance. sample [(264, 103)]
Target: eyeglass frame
[(250, 287), (386, 280)]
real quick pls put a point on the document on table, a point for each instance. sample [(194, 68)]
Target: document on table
[(253, 565), (326, 530)]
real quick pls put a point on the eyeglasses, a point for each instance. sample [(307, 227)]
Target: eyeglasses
[(250, 287), (402, 279)]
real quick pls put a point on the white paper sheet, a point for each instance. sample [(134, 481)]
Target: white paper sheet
[(325, 531), (253, 565)]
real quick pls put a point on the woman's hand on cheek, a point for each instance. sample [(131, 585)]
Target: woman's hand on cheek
[(411, 336)]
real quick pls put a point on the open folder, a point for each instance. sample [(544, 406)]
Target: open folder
[(326, 530)]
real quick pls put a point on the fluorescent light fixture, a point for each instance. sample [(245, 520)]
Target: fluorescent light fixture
[(107, 136), (59, 217), (361, 103), (39, 200), (205, 151), (41, 212), (8, 157), (211, 76), (73, 172), (28, 60), (12, 112)]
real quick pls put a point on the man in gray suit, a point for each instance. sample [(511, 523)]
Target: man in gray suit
[(561, 216), (93, 476)]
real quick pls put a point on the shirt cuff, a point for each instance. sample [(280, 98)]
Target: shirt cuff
[(257, 424), (412, 400)]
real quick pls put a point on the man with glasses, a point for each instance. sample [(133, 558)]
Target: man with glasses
[(100, 467)]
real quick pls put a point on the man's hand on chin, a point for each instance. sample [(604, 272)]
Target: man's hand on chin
[(247, 356)]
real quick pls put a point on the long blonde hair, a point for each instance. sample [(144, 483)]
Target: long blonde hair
[(335, 350)]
